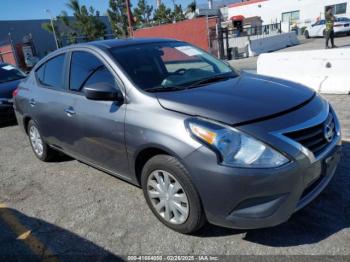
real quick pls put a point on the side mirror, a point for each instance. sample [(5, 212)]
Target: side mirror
[(103, 92)]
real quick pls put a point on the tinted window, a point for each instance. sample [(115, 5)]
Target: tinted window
[(40, 73), (50, 73), (102, 75), (86, 69), (167, 64)]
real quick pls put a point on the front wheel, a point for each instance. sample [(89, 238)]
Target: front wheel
[(307, 35), (171, 195)]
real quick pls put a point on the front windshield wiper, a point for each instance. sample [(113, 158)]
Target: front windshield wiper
[(212, 79), (164, 89), (184, 86)]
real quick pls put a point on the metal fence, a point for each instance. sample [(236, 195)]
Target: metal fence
[(233, 43)]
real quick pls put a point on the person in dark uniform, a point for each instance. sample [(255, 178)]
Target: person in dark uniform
[(330, 18)]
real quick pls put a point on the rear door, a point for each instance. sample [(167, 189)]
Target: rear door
[(98, 127), (49, 101)]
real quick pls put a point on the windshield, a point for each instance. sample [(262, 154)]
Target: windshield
[(169, 66), (10, 73)]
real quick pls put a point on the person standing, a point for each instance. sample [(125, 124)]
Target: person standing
[(330, 19)]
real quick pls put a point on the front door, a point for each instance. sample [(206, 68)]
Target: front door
[(99, 125)]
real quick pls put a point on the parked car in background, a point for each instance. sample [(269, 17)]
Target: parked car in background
[(341, 26), (10, 76), (203, 142)]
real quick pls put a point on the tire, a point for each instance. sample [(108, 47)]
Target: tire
[(306, 34), (45, 153), (168, 166)]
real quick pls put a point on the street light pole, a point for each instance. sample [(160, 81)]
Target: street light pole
[(53, 27), (127, 3)]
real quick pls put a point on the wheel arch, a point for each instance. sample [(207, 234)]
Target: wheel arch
[(26, 120), (146, 153)]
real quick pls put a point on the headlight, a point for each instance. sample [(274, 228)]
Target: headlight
[(235, 148)]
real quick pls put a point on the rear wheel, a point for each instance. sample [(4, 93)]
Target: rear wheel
[(171, 195), (40, 148)]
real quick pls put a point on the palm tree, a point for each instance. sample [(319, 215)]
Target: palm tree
[(192, 7)]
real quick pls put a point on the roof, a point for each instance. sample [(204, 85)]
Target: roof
[(246, 3), (124, 42)]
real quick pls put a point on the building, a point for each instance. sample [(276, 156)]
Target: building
[(43, 41), (300, 12)]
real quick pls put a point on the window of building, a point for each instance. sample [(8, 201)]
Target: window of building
[(338, 9), (291, 17), (50, 73)]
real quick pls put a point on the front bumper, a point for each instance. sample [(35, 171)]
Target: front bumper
[(253, 198)]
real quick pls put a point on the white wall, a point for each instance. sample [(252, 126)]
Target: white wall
[(326, 71), (271, 10)]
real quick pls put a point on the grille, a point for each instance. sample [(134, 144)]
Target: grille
[(315, 138)]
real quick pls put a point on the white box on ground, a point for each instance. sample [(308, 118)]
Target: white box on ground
[(326, 71)]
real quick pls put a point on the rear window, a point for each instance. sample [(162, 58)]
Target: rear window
[(50, 73)]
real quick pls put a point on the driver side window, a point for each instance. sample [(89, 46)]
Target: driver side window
[(87, 69)]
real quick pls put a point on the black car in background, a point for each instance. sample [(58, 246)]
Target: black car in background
[(10, 76)]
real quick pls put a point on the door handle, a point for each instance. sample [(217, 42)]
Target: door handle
[(69, 111), (32, 102)]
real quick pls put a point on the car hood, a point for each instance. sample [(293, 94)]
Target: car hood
[(7, 88), (239, 100)]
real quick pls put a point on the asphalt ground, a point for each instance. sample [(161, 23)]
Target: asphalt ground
[(66, 210)]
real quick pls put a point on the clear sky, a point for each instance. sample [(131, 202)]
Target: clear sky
[(34, 9)]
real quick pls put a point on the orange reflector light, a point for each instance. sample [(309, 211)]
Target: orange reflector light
[(206, 135)]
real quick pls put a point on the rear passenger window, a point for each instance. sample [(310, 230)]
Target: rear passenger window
[(86, 69), (50, 74)]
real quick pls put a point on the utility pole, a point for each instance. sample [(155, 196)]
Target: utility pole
[(127, 2), (210, 4), (13, 49), (53, 27)]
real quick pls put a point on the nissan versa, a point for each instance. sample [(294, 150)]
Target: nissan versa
[(205, 142)]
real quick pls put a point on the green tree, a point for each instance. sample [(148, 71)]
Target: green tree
[(117, 15), (143, 12), (62, 28), (87, 22), (178, 14), (162, 15)]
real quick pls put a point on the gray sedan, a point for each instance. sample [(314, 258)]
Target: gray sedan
[(204, 142)]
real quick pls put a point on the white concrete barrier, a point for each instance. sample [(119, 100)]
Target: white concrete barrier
[(272, 43), (326, 71)]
